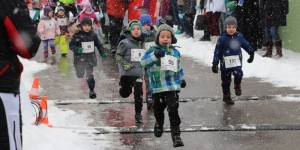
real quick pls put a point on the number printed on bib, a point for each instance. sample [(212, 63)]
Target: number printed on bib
[(62, 21), (169, 63), (88, 47), (137, 54), (232, 61)]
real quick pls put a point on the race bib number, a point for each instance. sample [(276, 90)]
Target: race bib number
[(88, 47), (169, 63), (49, 25), (137, 54), (62, 21), (148, 45), (232, 61)]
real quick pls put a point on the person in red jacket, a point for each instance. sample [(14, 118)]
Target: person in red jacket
[(18, 38), (115, 10)]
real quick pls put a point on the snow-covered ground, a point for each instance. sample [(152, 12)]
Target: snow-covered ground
[(283, 71)]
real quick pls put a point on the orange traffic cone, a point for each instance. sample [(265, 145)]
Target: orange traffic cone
[(43, 116), (34, 92)]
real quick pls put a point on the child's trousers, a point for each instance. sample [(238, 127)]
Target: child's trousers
[(63, 45), (226, 78)]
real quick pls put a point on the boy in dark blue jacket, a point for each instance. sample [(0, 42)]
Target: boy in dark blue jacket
[(228, 51)]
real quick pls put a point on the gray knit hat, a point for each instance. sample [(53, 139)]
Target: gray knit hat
[(60, 8), (230, 21), (46, 10), (165, 27)]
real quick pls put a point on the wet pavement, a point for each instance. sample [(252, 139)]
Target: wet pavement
[(258, 120)]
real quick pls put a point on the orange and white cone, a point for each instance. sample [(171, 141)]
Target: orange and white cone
[(43, 116), (34, 92)]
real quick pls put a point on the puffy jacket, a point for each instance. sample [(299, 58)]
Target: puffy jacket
[(18, 36), (116, 8), (230, 45), (162, 80), (46, 31)]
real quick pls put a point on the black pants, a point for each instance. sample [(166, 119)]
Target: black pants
[(170, 100), (189, 24), (88, 71), (126, 83), (115, 29), (226, 79)]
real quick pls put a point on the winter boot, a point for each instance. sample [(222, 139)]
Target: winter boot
[(92, 94), (278, 46), (158, 129), (177, 142), (269, 49), (45, 57), (238, 90), (150, 102), (227, 99), (205, 38), (138, 118), (53, 50)]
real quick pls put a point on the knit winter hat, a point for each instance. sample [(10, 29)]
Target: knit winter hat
[(165, 27), (145, 19), (132, 23), (230, 21), (46, 10), (86, 21), (231, 5), (87, 4), (60, 8)]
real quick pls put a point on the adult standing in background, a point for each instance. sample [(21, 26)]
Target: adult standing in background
[(69, 5), (247, 15), (115, 10), (273, 15), (18, 36)]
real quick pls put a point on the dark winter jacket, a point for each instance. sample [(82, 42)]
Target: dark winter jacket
[(18, 36), (230, 45), (273, 12), (123, 55), (76, 43), (189, 7)]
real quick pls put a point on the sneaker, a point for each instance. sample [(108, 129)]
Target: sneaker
[(227, 99), (92, 95), (177, 142), (138, 118), (238, 90), (158, 129), (179, 31), (150, 104)]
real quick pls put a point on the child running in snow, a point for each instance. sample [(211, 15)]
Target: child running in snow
[(83, 45), (63, 23), (150, 34), (128, 55), (228, 51), (166, 80), (48, 28)]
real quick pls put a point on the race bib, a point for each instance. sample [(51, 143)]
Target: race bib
[(62, 21), (149, 44), (88, 47), (169, 63), (49, 25), (232, 61), (137, 54)]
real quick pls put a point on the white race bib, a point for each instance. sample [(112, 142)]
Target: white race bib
[(49, 25), (88, 47), (137, 54), (149, 44), (169, 63), (62, 21), (232, 61)]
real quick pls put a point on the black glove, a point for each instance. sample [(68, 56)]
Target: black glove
[(250, 60), (160, 53), (215, 67), (183, 84)]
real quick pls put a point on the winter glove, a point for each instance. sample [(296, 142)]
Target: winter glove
[(250, 60), (215, 67), (104, 55), (160, 53), (79, 50), (127, 66), (183, 84)]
